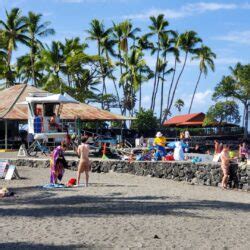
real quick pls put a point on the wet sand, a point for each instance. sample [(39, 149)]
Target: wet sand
[(121, 211)]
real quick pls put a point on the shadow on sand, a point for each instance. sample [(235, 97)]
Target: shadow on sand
[(32, 246), (47, 204)]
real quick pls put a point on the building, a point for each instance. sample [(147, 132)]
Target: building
[(189, 120)]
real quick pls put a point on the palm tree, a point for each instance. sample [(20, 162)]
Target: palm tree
[(15, 30), (187, 42), (122, 32), (166, 47), (137, 72), (97, 33), (179, 104), (54, 61), (158, 28), (107, 49), (36, 29), (71, 48), (206, 56)]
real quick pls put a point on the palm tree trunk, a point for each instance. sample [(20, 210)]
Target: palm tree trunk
[(116, 89), (156, 91), (9, 54), (162, 88), (195, 89), (172, 82), (102, 73), (140, 93), (33, 68), (169, 91), (177, 82), (155, 77)]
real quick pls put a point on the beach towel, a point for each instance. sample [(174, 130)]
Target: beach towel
[(51, 186)]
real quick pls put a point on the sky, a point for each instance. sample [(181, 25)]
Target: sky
[(224, 26)]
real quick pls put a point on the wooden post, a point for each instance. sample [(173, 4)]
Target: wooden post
[(6, 134)]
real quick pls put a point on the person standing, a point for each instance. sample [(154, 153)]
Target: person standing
[(57, 163), (243, 152), (160, 143), (225, 165), (187, 136), (84, 162), (217, 149)]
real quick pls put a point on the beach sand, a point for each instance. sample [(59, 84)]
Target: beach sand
[(121, 211)]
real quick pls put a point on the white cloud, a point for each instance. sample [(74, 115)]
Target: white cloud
[(202, 101), (200, 98), (242, 37), (188, 10)]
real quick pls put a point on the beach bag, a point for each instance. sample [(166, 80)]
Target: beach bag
[(71, 182), (169, 158)]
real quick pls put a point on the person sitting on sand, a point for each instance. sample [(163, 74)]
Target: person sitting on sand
[(225, 165), (84, 163), (57, 163)]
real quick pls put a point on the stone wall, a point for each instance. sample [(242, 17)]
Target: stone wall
[(198, 173)]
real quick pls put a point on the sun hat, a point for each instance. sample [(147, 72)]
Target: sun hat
[(158, 134)]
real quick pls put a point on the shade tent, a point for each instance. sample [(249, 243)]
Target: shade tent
[(13, 98), (57, 98)]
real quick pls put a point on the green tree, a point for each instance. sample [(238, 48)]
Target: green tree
[(237, 86), (206, 56), (123, 32), (145, 120), (54, 62), (15, 31), (179, 104), (227, 111), (97, 33), (36, 29), (158, 28), (136, 72)]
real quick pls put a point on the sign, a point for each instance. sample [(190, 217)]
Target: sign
[(3, 165), (12, 172)]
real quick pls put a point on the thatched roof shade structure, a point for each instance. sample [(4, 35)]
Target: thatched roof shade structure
[(11, 110)]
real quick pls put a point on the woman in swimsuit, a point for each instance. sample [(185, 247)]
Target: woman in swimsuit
[(84, 163)]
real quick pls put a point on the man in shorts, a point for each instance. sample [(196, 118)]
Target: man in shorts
[(225, 165), (84, 163)]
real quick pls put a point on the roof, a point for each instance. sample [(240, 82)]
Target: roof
[(188, 119), (10, 109)]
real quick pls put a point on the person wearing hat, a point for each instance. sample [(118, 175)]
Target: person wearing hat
[(160, 143)]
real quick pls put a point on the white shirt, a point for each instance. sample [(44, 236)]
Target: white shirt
[(187, 135)]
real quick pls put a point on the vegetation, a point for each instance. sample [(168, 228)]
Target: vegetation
[(119, 62), (236, 86), (222, 112), (145, 120)]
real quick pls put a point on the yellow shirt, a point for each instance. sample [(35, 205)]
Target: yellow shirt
[(160, 141)]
